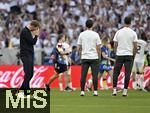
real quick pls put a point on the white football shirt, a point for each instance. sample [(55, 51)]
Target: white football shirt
[(141, 45), (66, 48), (89, 40), (125, 38)]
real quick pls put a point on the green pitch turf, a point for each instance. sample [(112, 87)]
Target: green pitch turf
[(65, 102)]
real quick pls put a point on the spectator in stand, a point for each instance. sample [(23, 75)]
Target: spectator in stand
[(68, 16)]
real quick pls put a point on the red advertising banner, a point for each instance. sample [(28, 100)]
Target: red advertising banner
[(12, 77)]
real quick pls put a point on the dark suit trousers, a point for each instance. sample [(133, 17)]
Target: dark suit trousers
[(28, 64), (127, 61), (94, 64)]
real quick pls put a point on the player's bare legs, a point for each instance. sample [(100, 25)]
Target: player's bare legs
[(138, 75), (60, 82), (55, 76), (68, 81)]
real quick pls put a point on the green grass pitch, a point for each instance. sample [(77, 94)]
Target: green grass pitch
[(65, 102)]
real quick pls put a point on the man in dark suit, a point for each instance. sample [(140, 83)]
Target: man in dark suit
[(28, 38)]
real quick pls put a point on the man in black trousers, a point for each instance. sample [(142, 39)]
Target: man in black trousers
[(28, 38), (89, 46), (125, 44)]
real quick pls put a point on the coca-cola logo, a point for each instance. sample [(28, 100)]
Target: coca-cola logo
[(14, 79), (108, 80), (13, 76), (38, 77), (147, 72)]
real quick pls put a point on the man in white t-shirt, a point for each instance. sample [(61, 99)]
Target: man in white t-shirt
[(89, 46), (138, 65), (125, 44)]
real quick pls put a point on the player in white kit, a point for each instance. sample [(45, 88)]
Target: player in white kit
[(67, 48), (138, 66)]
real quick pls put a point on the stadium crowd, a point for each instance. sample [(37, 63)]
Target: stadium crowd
[(68, 17)]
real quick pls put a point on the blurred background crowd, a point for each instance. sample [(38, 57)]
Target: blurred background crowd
[(68, 17)]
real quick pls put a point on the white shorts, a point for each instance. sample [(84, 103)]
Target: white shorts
[(138, 67)]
